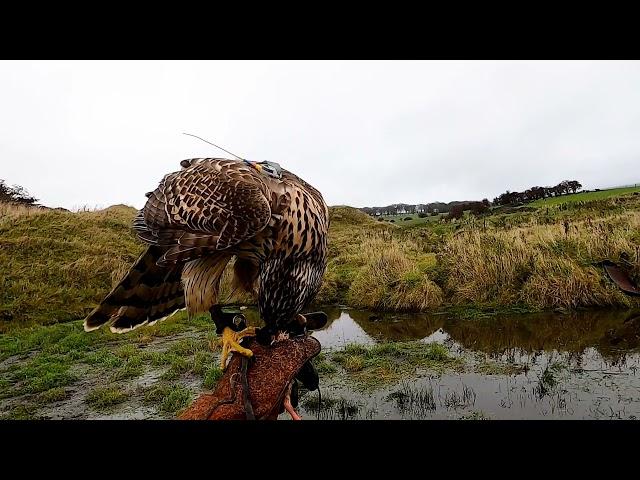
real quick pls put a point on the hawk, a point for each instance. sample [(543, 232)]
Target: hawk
[(198, 219)]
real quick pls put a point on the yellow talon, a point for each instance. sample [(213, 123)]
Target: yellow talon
[(230, 343)]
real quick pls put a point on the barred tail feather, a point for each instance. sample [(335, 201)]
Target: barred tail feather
[(146, 294)]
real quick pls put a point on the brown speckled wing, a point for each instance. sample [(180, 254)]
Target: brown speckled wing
[(212, 204)]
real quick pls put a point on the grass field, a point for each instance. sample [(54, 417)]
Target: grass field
[(55, 266), (517, 259), (585, 196), (415, 219), (163, 366)]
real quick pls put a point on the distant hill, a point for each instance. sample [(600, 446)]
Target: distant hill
[(348, 215)]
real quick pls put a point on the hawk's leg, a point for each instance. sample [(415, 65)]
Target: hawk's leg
[(233, 328), (231, 343)]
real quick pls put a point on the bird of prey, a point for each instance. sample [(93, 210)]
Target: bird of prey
[(213, 209)]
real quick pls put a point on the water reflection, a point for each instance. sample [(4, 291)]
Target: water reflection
[(342, 330), (362, 326), (581, 365), (613, 334)]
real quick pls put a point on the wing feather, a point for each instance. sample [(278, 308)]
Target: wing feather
[(213, 204)]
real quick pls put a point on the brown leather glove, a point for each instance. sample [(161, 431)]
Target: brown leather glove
[(255, 387)]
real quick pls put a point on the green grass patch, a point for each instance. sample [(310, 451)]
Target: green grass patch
[(22, 412), (203, 361), (131, 369), (177, 399), (127, 351), (104, 397), (169, 399), (104, 358), (211, 377), (414, 221), (55, 394), (76, 342), (158, 359), (323, 365), (181, 364), (21, 341), (5, 387), (585, 196), (178, 366), (382, 363), (188, 346), (488, 310), (179, 322), (64, 339), (325, 368), (43, 372)]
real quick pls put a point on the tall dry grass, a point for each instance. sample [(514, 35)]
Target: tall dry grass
[(532, 261), (542, 265), (390, 277), (10, 211), (561, 282)]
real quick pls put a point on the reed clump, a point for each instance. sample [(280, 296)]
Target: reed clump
[(390, 280)]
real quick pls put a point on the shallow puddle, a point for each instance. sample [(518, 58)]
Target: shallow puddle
[(578, 366)]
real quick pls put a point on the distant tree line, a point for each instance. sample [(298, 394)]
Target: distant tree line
[(404, 208), (455, 209), (476, 208), (15, 194), (537, 193), (395, 209)]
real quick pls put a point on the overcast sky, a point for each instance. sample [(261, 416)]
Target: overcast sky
[(364, 133)]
